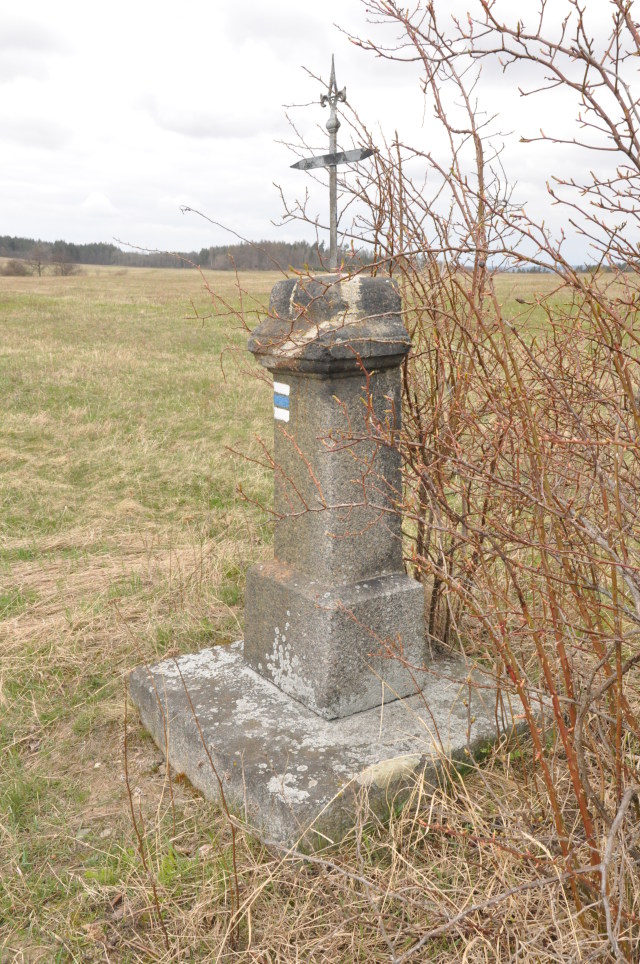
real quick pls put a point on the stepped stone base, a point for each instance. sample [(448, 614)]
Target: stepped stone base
[(321, 640), (291, 774)]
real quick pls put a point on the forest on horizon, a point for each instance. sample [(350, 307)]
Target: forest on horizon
[(246, 256), (31, 256)]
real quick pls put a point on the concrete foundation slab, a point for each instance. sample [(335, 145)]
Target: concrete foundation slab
[(291, 774)]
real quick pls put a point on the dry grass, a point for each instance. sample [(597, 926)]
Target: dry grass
[(123, 539)]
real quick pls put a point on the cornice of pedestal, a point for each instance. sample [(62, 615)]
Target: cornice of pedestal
[(332, 325)]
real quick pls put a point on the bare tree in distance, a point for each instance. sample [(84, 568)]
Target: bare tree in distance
[(38, 258)]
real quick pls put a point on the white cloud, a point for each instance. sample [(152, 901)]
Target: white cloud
[(98, 204), (15, 64), (112, 117), (35, 132), (217, 120), (24, 35), (278, 26), (26, 48)]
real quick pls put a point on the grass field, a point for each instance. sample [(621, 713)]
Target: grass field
[(122, 539)]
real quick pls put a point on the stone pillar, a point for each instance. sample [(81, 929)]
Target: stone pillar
[(322, 618), (295, 757)]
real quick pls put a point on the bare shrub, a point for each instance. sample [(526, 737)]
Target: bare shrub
[(521, 432), (14, 268), (521, 495), (521, 429), (65, 268)]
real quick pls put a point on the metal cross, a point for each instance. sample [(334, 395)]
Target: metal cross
[(331, 160)]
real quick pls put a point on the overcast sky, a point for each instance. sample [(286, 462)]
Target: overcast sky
[(114, 115)]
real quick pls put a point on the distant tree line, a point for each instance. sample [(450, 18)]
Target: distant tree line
[(263, 256), (29, 256), (64, 256)]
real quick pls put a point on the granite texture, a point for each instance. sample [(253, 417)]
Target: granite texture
[(293, 776), (336, 593), (330, 324), (328, 646), (337, 480)]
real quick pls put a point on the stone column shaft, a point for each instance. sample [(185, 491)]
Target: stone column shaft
[(323, 619), (335, 488)]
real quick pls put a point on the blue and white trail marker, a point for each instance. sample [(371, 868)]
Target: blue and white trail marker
[(281, 401)]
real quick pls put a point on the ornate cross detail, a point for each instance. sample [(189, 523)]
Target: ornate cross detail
[(332, 159)]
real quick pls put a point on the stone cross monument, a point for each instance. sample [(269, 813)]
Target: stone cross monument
[(320, 699), (336, 590), (324, 617)]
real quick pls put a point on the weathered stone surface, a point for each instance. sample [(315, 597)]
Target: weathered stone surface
[(331, 324), (337, 481), (290, 773), (336, 592), (318, 642)]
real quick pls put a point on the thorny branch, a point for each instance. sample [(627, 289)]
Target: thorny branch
[(521, 437)]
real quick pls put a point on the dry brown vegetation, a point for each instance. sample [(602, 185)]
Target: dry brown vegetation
[(123, 539), (521, 421)]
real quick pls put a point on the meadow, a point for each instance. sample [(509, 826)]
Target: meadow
[(129, 513), (122, 539)]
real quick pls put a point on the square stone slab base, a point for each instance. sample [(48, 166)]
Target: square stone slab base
[(294, 777)]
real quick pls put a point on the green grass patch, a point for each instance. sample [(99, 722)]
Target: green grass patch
[(15, 601)]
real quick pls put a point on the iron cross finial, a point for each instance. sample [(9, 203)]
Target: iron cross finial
[(331, 160), (334, 96)]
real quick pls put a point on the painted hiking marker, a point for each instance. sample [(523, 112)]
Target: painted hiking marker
[(281, 401)]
